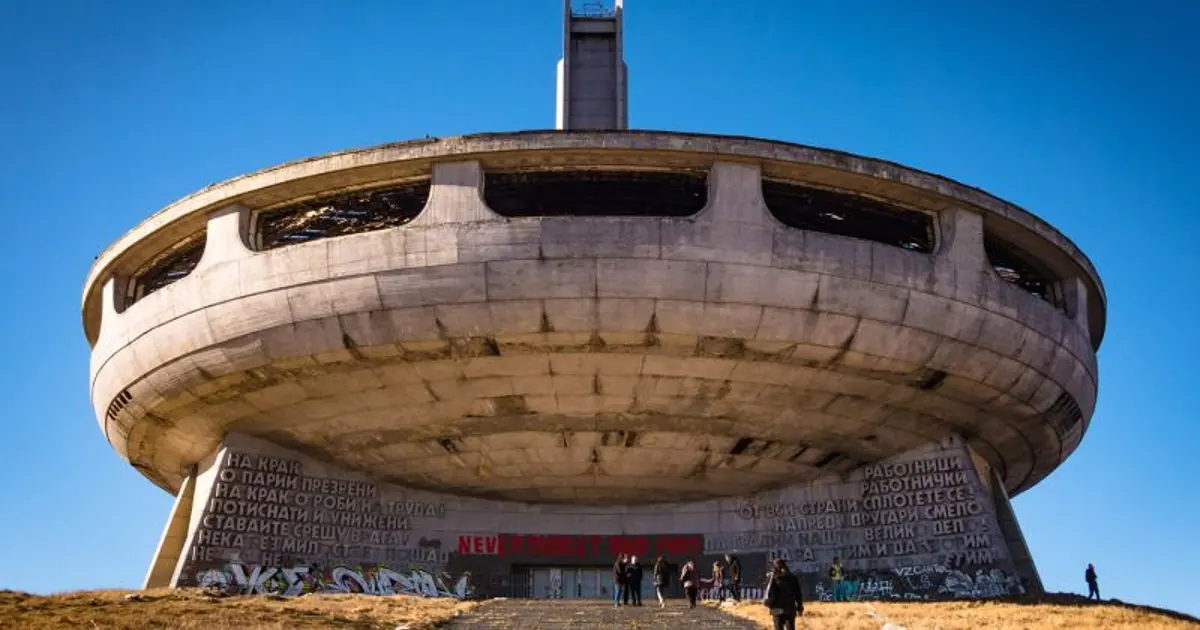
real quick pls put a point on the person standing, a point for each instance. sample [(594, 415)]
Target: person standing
[(835, 576), (1090, 577), (691, 582), (661, 579), (619, 581), (633, 581), (734, 567), (783, 596)]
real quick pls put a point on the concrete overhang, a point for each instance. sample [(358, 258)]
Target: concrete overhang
[(379, 165)]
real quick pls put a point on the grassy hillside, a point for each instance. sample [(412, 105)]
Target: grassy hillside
[(192, 609), (1053, 612)]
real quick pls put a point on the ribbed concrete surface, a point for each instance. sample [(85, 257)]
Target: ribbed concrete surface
[(527, 614), (595, 359)]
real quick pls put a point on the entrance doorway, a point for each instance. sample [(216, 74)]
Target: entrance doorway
[(571, 582)]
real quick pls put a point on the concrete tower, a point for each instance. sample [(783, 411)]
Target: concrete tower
[(591, 74)]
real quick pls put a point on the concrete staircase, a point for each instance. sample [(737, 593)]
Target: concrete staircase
[(550, 614)]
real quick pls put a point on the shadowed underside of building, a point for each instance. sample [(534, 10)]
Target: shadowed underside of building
[(488, 364)]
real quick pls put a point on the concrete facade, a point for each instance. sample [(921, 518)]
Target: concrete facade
[(919, 526), (550, 375)]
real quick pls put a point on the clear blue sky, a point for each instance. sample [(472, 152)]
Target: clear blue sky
[(1083, 112)]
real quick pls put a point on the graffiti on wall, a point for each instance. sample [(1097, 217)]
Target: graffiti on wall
[(921, 583), (238, 579)]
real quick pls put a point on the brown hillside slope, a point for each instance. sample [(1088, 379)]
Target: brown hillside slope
[(1053, 612), (192, 609)]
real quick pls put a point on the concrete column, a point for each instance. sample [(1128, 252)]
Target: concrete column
[(456, 196), (961, 239), (170, 546), (735, 195), (226, 235), (1075, 297), (113, 299)]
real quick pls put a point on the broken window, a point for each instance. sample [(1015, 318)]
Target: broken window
[(351, 213), (596, 193), (168, 267), (1019, 268), (819, 210)]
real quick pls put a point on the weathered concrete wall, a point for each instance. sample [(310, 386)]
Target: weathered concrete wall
[(502, 335), (917, 526)]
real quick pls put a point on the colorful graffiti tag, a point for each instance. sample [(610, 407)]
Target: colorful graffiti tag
[(237, 579), (922, 583)]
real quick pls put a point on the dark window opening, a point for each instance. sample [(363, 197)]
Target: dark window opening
[(1064, 414), (167, 268), (352, 213), (118, 404), (741, 446), (1019, 268), (829, 459), (819, 210), (596, 193)]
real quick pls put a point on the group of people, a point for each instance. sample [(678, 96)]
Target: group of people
[(628, 574), (782, 595)]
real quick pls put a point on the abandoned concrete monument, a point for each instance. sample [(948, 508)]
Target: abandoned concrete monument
[(485, 365)]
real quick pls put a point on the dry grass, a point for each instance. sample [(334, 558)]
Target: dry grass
[(193, 609), (1056, 612)]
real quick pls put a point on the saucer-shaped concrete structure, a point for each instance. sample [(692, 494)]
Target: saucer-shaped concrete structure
[(587, 323)]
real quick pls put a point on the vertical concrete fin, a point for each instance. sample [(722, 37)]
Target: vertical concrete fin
[(456, 196), (735, 195), (1014, 539), (1076, 296), (226, 236), (170, 546), (205, 482), (961, 242)]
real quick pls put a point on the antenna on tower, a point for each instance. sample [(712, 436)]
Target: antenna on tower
[(592, 91)]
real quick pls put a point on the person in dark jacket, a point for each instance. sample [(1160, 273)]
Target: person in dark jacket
[(620, 580), (1093, 587), (633, 582), (690, 578), (661, 579), (734, 567), (783, 596)]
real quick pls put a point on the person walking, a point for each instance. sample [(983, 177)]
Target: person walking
[(734, 567), (835, 576), (691, 582), (619, 581), (1090, 577), (662, 577), (718, 580), (783, 596), (633, 581)]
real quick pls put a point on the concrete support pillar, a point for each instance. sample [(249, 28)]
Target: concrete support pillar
[(1075, 296), (170, 546), (113, 299), (961, 242), (226, 236), (735, 195), (456, 196)]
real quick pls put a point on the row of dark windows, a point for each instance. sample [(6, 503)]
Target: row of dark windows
[(597, 193)]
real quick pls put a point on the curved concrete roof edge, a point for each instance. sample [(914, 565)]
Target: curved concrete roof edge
[(745, 147)]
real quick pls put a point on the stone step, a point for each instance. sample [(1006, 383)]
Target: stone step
[(548, 614)]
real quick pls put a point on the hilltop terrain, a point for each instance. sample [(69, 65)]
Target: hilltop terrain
[(194, 609)]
